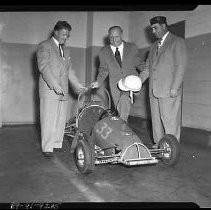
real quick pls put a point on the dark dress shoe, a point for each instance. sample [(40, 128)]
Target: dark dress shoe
[(58, 150), (48, 154)]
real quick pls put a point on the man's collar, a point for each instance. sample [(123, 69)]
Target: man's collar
[(120, 46), (57, 43), (164, 37)]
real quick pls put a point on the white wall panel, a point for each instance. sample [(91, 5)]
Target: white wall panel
[(33, 27), (197, 121), (102, 21)]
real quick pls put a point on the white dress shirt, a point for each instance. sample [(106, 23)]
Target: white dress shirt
[(57, 43), (160, 43), (120, 48)]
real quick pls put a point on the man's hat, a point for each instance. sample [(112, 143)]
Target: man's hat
[(158, 19)]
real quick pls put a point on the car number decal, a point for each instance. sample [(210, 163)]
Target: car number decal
[(104, 131)]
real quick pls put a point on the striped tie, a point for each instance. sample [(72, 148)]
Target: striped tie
[(60, 50), (118, 57), (158, 47)]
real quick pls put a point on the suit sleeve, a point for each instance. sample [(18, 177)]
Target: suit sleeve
[(102, 70), (73, 78), (141, 66), (144, 74), (138, 62), (43, 60), (180, 60)]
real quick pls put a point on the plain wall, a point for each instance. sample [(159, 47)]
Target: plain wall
[(20, 32), (102, 21), (197, 23), (33, 27)]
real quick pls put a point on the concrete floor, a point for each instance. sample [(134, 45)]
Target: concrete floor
[(27, 176)]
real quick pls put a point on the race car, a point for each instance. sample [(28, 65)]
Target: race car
[(100, 136)]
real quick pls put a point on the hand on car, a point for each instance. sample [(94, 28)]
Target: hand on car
[(94, 84)]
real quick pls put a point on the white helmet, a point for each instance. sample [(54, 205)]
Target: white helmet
[(130, 83)]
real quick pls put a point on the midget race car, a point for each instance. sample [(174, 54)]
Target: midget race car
[(100, 136)]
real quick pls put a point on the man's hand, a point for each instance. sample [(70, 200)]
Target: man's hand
[(95, 85), (58, 90), (80, 89), (173, 93)]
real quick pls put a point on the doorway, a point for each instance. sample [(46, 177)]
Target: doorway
[(178, 28)]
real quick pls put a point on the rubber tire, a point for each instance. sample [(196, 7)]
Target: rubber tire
[(170, 142), (89, 162)]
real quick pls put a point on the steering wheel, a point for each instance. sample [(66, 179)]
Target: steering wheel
[(107, 113)]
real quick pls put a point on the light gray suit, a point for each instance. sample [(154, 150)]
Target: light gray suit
[(166, 71), (53, 107), (110, 67)]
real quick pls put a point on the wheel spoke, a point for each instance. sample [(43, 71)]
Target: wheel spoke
[(167, 150)]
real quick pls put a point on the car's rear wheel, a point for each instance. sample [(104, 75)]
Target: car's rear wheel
[(84, 157), (171, 147)]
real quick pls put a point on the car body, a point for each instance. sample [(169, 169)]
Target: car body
[(100, 136)]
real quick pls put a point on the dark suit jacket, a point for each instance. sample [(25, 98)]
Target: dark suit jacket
[(110, 67), (54, 70), (166, 70)]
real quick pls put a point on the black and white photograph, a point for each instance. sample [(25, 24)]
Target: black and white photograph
[(105, 106)]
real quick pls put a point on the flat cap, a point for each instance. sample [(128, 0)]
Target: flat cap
[(158, 19)]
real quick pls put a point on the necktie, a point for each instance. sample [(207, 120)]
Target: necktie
[(118, 57), (158, 47), (60, 50)]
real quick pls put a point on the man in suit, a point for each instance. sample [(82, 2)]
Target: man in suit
[(165, 67), (118, 60), (55, 69)]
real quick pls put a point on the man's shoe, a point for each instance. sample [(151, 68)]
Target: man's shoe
[(58, 150), (48, 154)]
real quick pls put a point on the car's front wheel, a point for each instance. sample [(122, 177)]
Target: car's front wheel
[(171, 149), (84, 157)]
